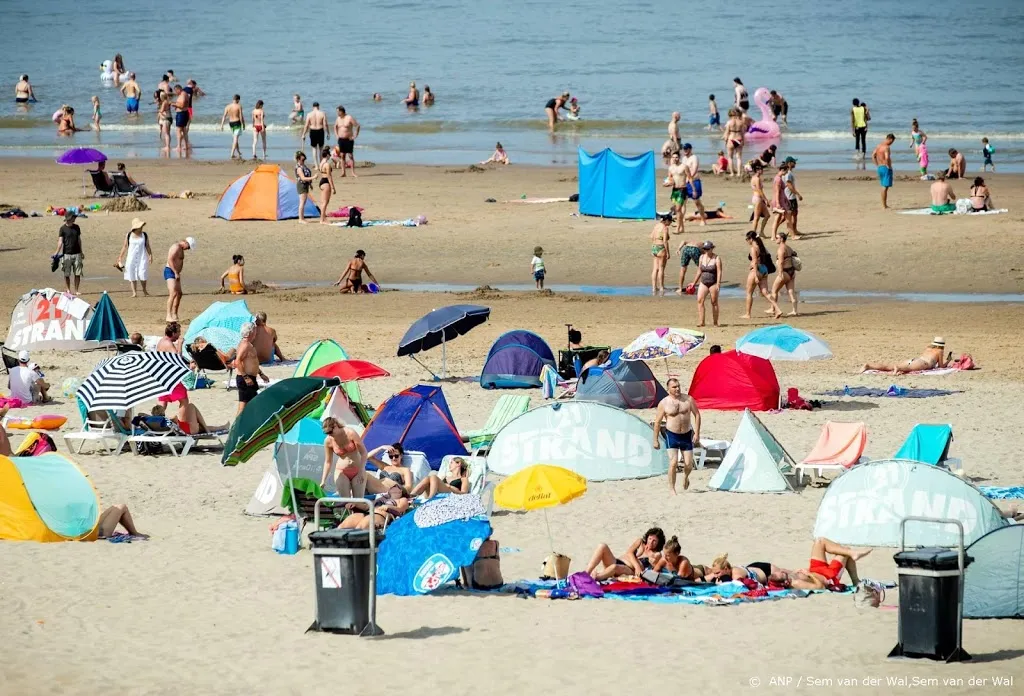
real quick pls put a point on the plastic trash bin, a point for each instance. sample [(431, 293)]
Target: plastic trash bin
[(341, 576), (930, 582)]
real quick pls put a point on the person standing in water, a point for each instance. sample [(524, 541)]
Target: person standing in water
[(742, 100), (734, 135), (346, 128), (412, 101), (131, 92), (315, 125), (714, 119), (181, 120), (236, 120), (428, 96), (673, 145), (23, 93), (682, 431), (164, 120), (298, 113), (660, 254), (859, 124), (259, 128), (882, 159), (552, 106), (917, 137)]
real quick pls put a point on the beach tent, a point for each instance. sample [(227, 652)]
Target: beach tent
[(50, 320), (755, 463), (46, 498), (597, 441), (864, 506), (324, 352), (623, 384), (732, 381), (106, 324), (615, 186), (265, 193), (994, 582), (229, 316), (417, 417), (515, 360), (928, 443)]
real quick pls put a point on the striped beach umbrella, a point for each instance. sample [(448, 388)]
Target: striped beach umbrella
[(128, 379)]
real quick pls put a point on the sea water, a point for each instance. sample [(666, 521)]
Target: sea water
[(958, 68)]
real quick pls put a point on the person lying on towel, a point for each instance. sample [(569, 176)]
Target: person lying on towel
[(821, 574), (933, 357), (644, 553), (673, 561)]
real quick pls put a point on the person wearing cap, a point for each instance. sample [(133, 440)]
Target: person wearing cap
[(26, 382), (792, 196), (694, 190), (537, 264), (933, 357), (709, 282), (172, 274), (135, 257), (69, 248)]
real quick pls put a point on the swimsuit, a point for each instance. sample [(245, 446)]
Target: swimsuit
[(680, 441), (678, 195), (21, 100), (316, 138), (235, 126), (885, 176), (694, 190), (550, 104), (131, 104), (690, 254), (181, 119), (323, 180), (657, 249), (168, 273), (258, 128), (829, 571), (765, 568), (247, 388), (352, 470), (234, 284), (346, 145), (177, 394), (708, 274), (714, 119)]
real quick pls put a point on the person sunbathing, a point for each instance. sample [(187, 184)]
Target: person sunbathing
[(457, 481), (392, 470), (821, 574), (191, 422), (385, 511), (933, 357), (673, 561), (600, 359), (643, 553), (716, 214), (117, 515), (723, 571), (227, 358)]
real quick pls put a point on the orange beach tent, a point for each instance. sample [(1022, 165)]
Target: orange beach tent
[(263, 194)]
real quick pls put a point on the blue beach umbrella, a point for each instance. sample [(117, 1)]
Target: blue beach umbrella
[(106, 324), (783, 342), (440, 326), (220, 315)]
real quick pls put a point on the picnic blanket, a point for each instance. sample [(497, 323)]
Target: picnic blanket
[(411, 222), (933, 371), (1002, 492), (928, 211), (893, 391), (724, 594)]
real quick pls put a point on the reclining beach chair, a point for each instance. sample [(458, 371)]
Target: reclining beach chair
[(123, 188), (416, 462), (207, 360), (307, 492), (706, 445), (928, 443), (104, 189), (10, 358), (838, 448), (173, 439), (98, 427), (508, 407), (478, 483)]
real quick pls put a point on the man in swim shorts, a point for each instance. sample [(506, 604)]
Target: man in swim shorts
[(172, 274), (882, 159), (248, 365), (346, 128), (694, 190), (315, 125), (181, 119), (236, 120), (943, 197), (687, 254), (131, 92), (676, 410), (821, 574), (676, 179)]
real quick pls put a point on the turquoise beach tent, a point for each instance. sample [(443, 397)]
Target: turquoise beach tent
[(106, 324), (926, 443), (994, 582), (46, 498), (615, 186), (755, 463), (263, 194), (220, 315)]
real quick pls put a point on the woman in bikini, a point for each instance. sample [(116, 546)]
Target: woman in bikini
[(787, 272), (391, 467), (326, 183), (673, 561), (385, 511), (643, 553), (234, 276), (981, 198), (259, 128), (457, 482), (345, 444), (660, 254), (932, 358), (710, 285), (164, 120), (734, 134), (760, 201), (303, 182), (761, 265)]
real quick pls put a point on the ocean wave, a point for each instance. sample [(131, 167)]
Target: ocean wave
[(842, 135)]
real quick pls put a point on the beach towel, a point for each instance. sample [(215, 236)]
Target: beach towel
[(928, 211), (343, 212), (13, 402), (1003, 492), (933, 371), (892, 391), (840, 444), (415, 560), (538, 200), (411, 222)]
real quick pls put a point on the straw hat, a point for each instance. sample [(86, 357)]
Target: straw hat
[(938, 342), (138, 224)]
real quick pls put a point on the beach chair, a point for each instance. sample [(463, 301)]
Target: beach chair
[(839, 447), (207, 359), (98, 427), (122, 187), (307, 492), (416, 462), (701, 452), (508, 407), (928, 443), (10, 358), (103, 188), (478, 483), (173, 439)]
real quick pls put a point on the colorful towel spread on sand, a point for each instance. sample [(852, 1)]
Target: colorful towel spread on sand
[(12, 402), (929, 211), (411, 222), (727, 593), (892, 391), (343, 212), (933, 371), (538, 200), (1002, 492)]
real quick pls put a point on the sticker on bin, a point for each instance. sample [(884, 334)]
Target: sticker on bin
[(330, 572)]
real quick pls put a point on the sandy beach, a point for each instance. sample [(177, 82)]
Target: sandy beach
[(206, 607)]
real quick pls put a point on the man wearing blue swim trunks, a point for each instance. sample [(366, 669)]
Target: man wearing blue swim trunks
[(694, 190), (131, 92), (677, 410), (882, 159)]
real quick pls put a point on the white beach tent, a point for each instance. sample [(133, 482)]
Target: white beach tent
[(994, 582), (755, 463)]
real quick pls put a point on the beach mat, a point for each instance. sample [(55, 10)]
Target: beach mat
[(538, 200), (933, 371), (725, 594), (893, 391), (928, 211), (1002, 492), (411, 222)]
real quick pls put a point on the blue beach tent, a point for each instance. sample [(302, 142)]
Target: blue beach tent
[(515, 361), (994, 582), (418, 418), (615, 186)]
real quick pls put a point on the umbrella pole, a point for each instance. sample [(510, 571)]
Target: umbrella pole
[(436, 378), (551, 540), (288, 464), (444, 356)]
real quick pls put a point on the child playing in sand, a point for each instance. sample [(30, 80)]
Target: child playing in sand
[(537, 262), (499, 156), (987, 151), (721, 165), (714, 120), (96, 114), (298, 114)]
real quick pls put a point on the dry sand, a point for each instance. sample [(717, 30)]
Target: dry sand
[(207, 607)]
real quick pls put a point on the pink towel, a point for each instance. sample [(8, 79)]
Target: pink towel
[(12, 402), (343, 212)]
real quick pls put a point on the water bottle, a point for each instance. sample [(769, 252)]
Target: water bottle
[(291, 538)]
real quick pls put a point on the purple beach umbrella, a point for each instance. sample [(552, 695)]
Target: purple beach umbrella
[(80, 156)]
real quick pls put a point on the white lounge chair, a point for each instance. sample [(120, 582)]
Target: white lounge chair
[(176, 441), (478, 483), (97, 427), (700, 453)]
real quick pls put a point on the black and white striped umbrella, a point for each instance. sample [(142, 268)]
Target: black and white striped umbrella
[(131, 378)]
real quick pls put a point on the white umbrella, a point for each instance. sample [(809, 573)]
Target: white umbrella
[(783, 342), (123, 381)]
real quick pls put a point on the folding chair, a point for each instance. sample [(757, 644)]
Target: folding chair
[(122, 187), (173, 439), (839, 447), (104, 188), (10, 358), (97, 427), (507, 408)]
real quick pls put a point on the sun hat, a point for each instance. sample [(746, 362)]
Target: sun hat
[(708, 245), (790, 160), (138, 224), (23, 356), (939, 342), (191, 243)]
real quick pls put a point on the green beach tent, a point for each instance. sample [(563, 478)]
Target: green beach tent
[(324, 352)]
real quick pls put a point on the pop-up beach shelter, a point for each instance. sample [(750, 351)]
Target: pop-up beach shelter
[(623, 384), (755, 463), (615, 186), (732, 381), (265, 193), (994, 582), (515, 360), (419, 418), (50, 320), (46, 498)]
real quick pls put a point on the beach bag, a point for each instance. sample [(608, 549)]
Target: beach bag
[(664, 579), (485, 572), (35, 444), (355, 218), (868, 594), (555, 567), (964, 362), (798, 265)]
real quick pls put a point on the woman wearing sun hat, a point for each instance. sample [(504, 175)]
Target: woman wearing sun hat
[(709, 283), (135, 257), (933, 357)]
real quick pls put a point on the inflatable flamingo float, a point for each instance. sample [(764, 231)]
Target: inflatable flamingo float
[(766, 128)]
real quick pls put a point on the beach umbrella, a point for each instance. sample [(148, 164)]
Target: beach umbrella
[(80, 156), (351, 370), (539, 487), (440, 326), (221, 338), (128, 379), (663, 343), (273, 412), (783, 342), (106, 324)]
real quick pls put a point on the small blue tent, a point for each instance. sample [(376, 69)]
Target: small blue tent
[(621, 383), (994, 582), (615, 186), (106, 324), (418, 418), (515, 361)]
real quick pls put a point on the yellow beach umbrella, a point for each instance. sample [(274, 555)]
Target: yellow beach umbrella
[(539, 487)]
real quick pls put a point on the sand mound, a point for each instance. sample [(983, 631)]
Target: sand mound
[(127, 204)]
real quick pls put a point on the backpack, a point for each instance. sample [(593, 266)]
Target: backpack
[(868, 594), (485, 572), (355, 218)]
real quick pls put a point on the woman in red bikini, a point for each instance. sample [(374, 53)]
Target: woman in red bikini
[(259, 128), (347, 445)]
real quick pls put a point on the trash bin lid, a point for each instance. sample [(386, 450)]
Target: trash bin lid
[(930, 558), (343, 539)]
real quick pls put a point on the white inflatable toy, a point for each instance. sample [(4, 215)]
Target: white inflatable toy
[(107, 76)]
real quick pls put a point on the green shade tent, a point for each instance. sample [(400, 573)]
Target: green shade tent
[(324, 352), (755, 463), (106, 324)]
